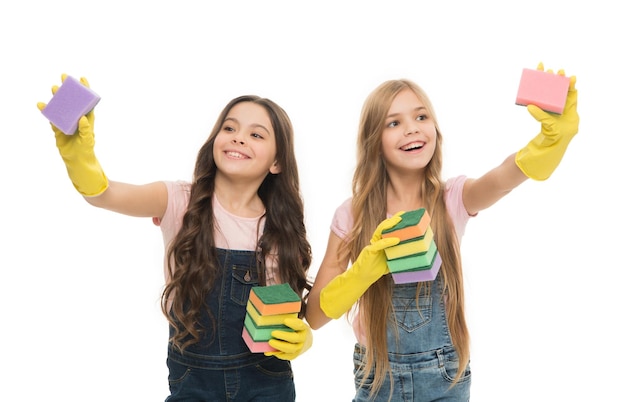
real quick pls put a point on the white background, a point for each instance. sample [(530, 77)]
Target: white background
[(544, 268)]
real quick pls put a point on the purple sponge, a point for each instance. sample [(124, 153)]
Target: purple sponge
[(70, 102)]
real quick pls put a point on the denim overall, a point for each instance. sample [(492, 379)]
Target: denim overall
[(221, 367), (421, 356)]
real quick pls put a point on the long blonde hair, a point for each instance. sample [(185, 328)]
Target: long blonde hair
[(369, 207)]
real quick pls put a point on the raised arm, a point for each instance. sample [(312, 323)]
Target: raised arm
[(481, 193), (537, 160), (83, 168), (147, 200)]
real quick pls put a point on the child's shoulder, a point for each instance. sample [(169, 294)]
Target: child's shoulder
[(455, 182), (343, 219), (346, 204)]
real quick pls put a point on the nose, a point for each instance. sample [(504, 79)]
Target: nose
[(411, 128), (238, 140)]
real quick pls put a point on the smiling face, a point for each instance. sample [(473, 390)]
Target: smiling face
[(409, 134), (245, 146)]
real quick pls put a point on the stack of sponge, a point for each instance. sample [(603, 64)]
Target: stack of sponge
[(415, 258), (267, 308)]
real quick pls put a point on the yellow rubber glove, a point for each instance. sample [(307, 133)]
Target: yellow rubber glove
[(290, 345), (77, 152), (344, 290), (543, 154)]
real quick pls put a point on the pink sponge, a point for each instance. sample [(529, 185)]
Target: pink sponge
[(545, 90), (256, 346), (70, 102)]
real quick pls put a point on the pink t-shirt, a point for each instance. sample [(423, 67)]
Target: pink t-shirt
[(232, 232), (343, 222)]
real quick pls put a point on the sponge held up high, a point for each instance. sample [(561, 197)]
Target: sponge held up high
[(69, 103), (545, 90)]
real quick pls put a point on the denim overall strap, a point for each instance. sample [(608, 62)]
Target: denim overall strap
[(223, 346)]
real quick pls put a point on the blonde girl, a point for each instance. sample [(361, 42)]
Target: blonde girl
[(413, 342)]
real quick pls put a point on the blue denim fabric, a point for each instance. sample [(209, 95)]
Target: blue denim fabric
[(221, 367), (422, 358)]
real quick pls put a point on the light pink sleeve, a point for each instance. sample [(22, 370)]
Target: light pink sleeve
[(343, 220), (177, 201), (454, 204)]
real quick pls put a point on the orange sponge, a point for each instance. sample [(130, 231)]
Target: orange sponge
[(413, 225), (272, 319), (275, 299)]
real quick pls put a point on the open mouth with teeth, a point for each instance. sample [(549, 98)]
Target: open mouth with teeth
[(412, 146), (236, 155)]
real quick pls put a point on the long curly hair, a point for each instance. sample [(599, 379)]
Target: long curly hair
[(192, 258), (369, 206)]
